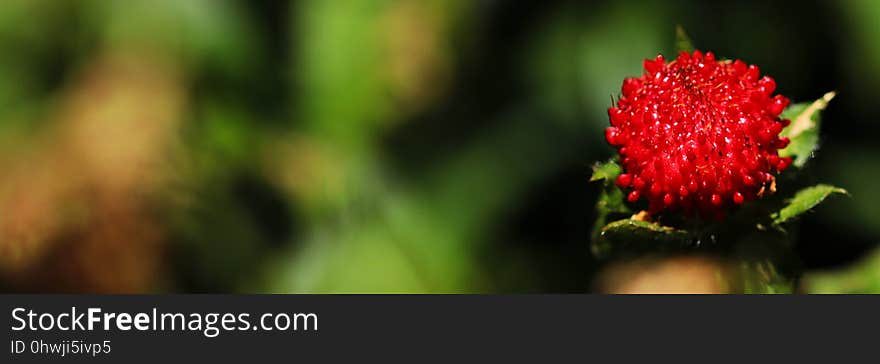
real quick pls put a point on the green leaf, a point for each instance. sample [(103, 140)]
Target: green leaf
[(804, 129), (642, 230), (682, 41), (803, 201), (629, 235), (610, 198), (606, 171), (611, 201)]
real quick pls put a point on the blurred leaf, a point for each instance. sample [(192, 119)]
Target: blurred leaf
[(762, 278), (803, 201), (683, 43), (426, 229), (804, 129), (360, 66), (862, 277), (199, 32), (634, 236)]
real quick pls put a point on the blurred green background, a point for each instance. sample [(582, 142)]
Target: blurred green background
[(379, 145)]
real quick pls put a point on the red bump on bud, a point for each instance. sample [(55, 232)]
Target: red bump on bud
[(781, 143), (612, 136), (638, 183), (783, 163), (779, 103), (616, 116), (709, 58), (739, 67), (775, 128), (624, 180), (656, 189), (630, 86), (633, 196), (654, 65), (752, 73), (767, 85), (738, 198), (668, 200), (698, 133)]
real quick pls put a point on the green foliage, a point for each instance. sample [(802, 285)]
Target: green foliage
[(805, 200), (575, 61), (606, 171), (862, 277), (683, 42), (345, 147), (804, 129), (610, 199), (763, 277)]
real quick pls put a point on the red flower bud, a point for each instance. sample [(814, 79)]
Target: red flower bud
[(698, 134)]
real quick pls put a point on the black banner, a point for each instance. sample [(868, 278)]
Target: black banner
[(329, 328)]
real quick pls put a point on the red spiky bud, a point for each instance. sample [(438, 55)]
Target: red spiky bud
[(698, 134)]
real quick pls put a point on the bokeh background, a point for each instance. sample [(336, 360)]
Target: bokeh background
[(381, 145)]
